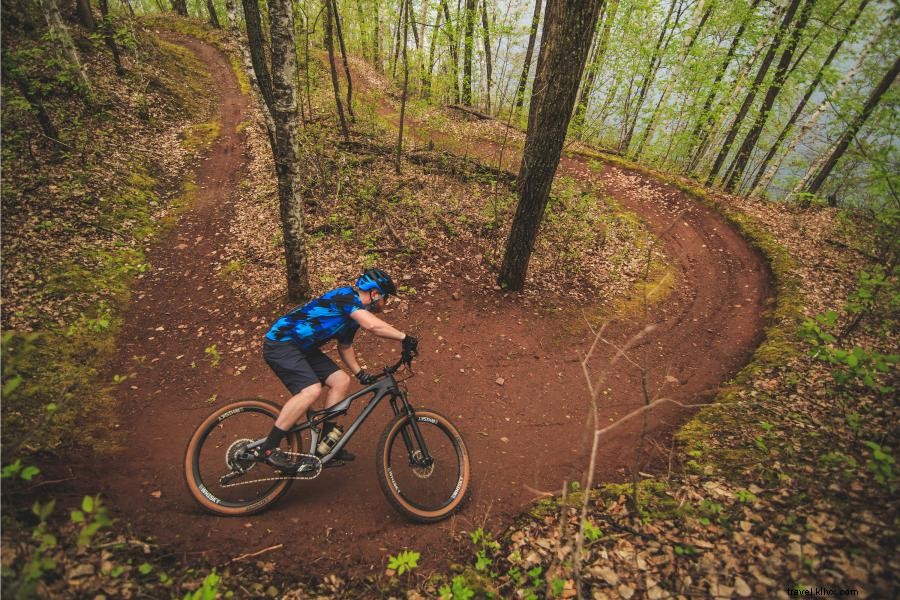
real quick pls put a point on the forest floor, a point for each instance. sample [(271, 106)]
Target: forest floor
[(525, 407)]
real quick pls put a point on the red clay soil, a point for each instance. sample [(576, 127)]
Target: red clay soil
[(529, 434)]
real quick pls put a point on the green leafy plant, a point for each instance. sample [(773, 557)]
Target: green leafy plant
[(19, 470), (92, 517), (213, 353), (457, 590), (592, 533), (881, 464), (208, 590), (404, 562)]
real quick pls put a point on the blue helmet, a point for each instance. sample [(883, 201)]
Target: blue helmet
[(377, 279)]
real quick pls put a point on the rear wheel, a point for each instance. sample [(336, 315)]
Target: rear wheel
[(423, 490), (220, 474)]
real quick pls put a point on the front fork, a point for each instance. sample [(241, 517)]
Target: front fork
[(424, 460)]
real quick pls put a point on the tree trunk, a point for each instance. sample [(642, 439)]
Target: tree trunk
[(426, 84), (405, 88), (487, 51), (257, 49), (128, 6), (10, 72), (824, 166), (213, 17), (647, 80), (108, 37), (529, 51), (763, 171), (395, 52), (566, 38), (249, 68), (593, 67), (452, 47), (180, 7), (695, 29), (60, 33), (340, 34), (468, 47), (287, 147), (705, 121), (736, 171), (751, 93), (332, 65), (85, 16), (376, 38)]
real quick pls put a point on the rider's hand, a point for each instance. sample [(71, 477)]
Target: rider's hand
[(410, 344), (366, 378)]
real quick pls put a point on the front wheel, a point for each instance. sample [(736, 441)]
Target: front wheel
[(424, 484), (220, 475)]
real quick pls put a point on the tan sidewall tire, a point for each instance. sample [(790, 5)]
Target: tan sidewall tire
[(398, 502), (198, 436)]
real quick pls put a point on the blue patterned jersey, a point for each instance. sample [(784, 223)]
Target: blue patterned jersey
[(320, 320)]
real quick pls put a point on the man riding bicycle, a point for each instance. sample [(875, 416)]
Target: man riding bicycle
[(292, 351)]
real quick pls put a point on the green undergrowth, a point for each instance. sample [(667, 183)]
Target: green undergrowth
[(78, 215)]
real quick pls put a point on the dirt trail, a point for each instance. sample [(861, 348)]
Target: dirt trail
[(528, 434)]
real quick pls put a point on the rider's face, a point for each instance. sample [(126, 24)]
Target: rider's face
[(377, 302)]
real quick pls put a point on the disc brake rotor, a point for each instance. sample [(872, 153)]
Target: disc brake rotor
[(422, 472), (234, 460)]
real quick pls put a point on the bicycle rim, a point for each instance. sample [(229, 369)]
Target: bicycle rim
[(424, 494), (212, 452)]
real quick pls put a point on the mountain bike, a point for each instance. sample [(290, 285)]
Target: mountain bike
[(422, 462)]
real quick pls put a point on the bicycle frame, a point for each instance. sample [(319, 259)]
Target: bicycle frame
[(386, 386)]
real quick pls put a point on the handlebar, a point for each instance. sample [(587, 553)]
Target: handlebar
[(406, 358)]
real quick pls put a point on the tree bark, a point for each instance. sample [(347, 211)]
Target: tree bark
[(287, 147), (695, 29), (487, 52), (593, 67), (180, 7), (647, 80), (332, 65), (529, 51), (249, 68), (257, 49), (108, 37), (566, 38), (454, 51), (705, 121), (426, 83), (85, 16), (824, 167), (213, 17), (736, 171), (468, 47), (376, 38), (340, 34), (405, 88), (763, 170), (66, 46), (751, 93)]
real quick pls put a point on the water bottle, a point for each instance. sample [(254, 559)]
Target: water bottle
[(330, 440)]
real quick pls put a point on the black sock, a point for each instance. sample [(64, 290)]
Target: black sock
[(274, 439)]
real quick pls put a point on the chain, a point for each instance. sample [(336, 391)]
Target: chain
[(311, 475)]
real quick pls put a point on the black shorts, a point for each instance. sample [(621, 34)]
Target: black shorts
[(295, 368)]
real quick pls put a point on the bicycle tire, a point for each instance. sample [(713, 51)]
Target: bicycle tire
[(203, 488), (394, 468)]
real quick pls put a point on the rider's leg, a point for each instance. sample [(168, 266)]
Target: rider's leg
[(297, 406), (338, 387)]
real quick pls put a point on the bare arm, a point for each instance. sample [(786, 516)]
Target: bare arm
[(348, 355), (373, 324)]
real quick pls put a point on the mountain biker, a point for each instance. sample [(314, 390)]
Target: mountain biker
[(292, 351)]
